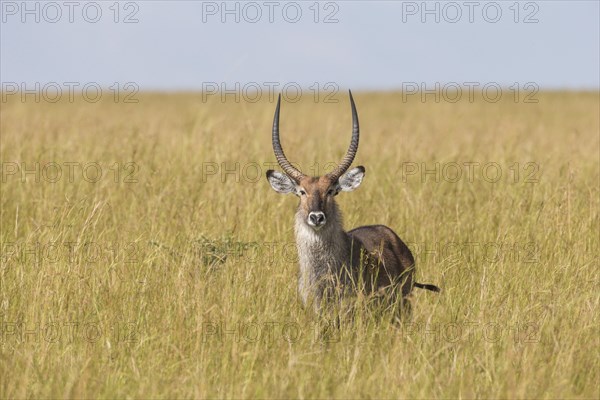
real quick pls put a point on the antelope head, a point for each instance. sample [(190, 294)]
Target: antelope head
[(317, 204)]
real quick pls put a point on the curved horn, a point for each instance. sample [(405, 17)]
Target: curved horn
[(352, 149), (281, 158)]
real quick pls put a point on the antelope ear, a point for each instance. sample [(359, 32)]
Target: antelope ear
[(281, 183), (352, 179)]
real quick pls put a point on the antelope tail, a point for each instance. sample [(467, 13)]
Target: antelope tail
[(427, 286)]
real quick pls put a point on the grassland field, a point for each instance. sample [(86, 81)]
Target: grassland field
[(144, 254)]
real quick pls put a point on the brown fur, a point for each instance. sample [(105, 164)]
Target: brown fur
[(332, 259)]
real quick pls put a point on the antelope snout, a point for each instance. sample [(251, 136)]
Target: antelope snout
[(316, 219)]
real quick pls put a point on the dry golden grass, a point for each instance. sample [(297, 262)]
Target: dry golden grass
[(162, 279)]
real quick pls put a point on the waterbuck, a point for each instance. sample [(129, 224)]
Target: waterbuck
[(332, 261)]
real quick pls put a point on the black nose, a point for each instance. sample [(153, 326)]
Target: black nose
[(317, 218)]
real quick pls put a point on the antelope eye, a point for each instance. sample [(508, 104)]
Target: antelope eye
[(329, 192), (302, 192)]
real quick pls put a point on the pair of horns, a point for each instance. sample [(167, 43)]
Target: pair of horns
[(295, 174)]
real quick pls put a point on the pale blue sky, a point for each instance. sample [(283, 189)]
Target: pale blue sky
[(179, 45)]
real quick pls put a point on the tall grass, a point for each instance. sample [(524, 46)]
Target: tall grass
[(174, 273)]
